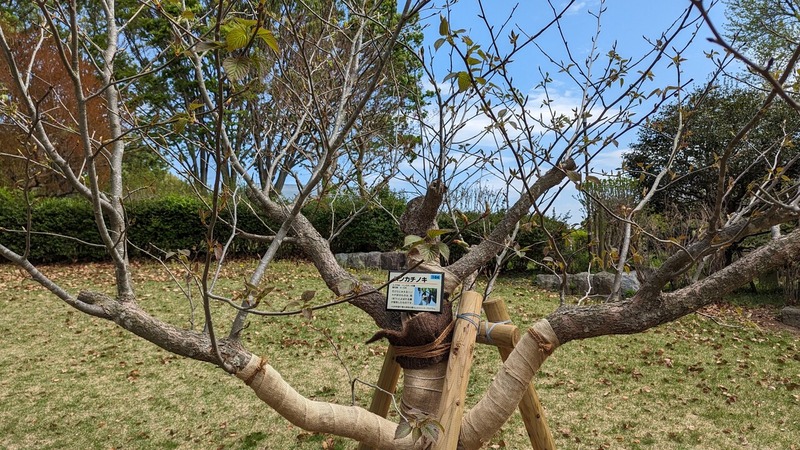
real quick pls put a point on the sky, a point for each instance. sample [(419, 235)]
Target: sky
[(625, 23)]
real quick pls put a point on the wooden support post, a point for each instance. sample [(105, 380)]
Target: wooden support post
[(458, 368), (498, 334), (381, 401), (530, 407)]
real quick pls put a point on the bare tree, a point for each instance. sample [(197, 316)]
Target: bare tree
[(340, 61)]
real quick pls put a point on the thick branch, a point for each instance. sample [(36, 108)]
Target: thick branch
[(645, 310), (191, 344), (680, 261), (420, 214), (487, 249), (320, 417)]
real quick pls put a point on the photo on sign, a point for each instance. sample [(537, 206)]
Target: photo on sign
[(415, 291), (426, 296)]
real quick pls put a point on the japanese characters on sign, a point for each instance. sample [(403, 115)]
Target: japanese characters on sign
[(415, 291)]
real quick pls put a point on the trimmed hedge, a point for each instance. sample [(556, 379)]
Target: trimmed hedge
[(51, 217), (176, 222)]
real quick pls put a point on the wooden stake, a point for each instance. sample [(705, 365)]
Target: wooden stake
[(381, 401), (530, 407), (498, 334), (458, 367)]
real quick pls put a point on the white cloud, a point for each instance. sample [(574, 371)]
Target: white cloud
[(609, 160), (576, 8)]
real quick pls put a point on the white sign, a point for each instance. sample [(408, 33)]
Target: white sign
[(415, 291)]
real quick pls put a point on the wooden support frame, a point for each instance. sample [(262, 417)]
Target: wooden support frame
[(496, 331), (530, 407), (387, 382), (451, 406)]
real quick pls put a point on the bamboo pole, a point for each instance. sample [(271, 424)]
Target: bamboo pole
[(451, 406), (381, 401), (529, 407)]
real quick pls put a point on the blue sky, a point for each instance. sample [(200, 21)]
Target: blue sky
[(625, 22)]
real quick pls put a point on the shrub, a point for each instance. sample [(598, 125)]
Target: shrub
[(167, 223), (65, 230)]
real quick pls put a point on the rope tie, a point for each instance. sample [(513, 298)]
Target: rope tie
[(490, 328), (262, 363), (544, 345), (468, 317), (437, 347), (430, 350)]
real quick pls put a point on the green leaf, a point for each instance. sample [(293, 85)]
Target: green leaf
[(268, 38), (180, 122), (464, 81), (444, 250), (411, 240), (187, 15), (433, 234), (444, 27), (403, 429), (438, 43), (236, 38), (432, 429), (208, 45), (245, 22), (429, 252), (450, 75), (236, 67)]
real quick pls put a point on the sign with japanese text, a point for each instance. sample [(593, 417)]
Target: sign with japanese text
[(415, 291)]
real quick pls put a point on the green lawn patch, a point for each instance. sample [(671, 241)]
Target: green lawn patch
[(72, 381)]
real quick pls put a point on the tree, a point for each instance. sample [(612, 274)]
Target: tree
[(48, 84), (763, 30), (355, 43), (266, 119), (709, 118)]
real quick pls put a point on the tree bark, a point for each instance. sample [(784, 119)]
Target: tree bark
[(644, 311)]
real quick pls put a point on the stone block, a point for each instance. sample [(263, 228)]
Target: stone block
[(790, 315)]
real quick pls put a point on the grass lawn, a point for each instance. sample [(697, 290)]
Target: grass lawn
[(712, 381)]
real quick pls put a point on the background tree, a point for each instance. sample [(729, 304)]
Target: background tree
[(710, 118), (335, 68), (604, 200), (48, 84), (764, 30)]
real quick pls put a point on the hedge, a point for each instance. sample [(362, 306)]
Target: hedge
[(176, 222)]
